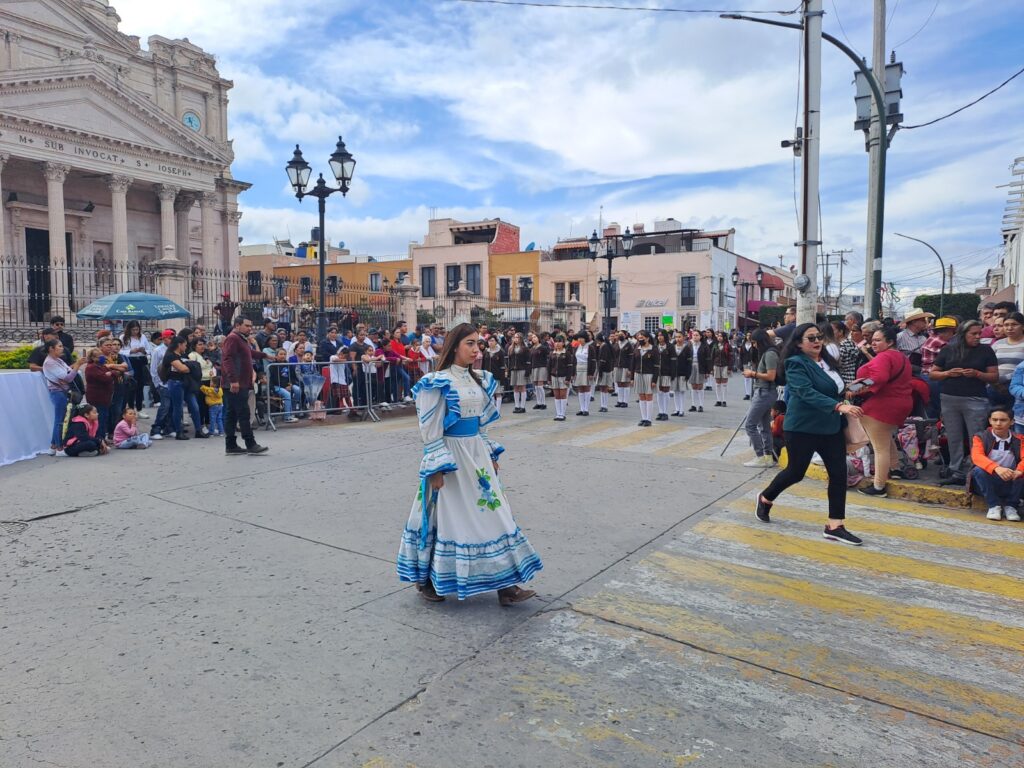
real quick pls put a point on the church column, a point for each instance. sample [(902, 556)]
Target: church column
[(59, 299), (182, 208), (167, 193), (4, 157), (207, 203), (118, 186)]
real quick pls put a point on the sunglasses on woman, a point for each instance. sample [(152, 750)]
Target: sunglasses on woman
[(813, 338)]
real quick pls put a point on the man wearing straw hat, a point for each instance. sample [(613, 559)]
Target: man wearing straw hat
[(913, 336)]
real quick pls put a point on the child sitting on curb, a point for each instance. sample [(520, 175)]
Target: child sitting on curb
[(81, 437), (999, 466), (126, 433), (214, 397)]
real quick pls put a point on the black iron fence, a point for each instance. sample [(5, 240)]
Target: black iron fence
[(522, 315)]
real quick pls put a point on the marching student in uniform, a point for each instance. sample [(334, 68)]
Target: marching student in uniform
[(517, 362), (748, 357), (494, 363), (645, 367), (539, 368), (562, 367), (721, 359), (708, 341), (586, 370), (625, 368), (698, 371), (604, 354), (666, 373), (683, 353)]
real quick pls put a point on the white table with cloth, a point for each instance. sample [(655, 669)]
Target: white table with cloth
[(26, 416)]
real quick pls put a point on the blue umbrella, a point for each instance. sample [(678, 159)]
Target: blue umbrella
[(132, 305)]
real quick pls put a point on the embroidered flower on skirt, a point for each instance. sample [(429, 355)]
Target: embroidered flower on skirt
[(488, 498)]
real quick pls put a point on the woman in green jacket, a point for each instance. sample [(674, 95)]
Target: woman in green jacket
[(813, 424)]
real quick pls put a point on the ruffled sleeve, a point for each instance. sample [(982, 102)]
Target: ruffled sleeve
[(430, 410), (490, 415)]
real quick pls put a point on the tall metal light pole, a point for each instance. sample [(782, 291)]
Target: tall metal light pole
[(610, 252), (343, 165), (878, 102), (942, 266)]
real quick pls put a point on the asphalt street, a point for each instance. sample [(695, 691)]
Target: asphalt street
[(193, 609)]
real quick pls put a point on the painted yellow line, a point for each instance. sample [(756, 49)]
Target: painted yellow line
[(905, 532), (697, 444), (864, 558), (744, 585), (854, 500), (968, 705)]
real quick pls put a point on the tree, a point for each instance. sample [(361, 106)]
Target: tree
[(768, 316), (424, 318), (962, 305)]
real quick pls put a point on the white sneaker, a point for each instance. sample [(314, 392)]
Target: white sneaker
[(1011, 514), (60, 455), (757, 461), (996, 513), (407, 399), (51, 452), (157, 436), (290, 420), (143, 415)]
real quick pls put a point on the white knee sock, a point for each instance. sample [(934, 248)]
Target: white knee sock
[(748, 387), (642, 410), (618, 394), (520, 399), (560, 406), (604, 399), (584, 398), (680, 401), (700, 397), (538, 392), (625, 394)]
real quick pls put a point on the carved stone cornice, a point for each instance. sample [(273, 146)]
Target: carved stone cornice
[(231, 217), (56, 171), (206, 200), (166, 192), (119, 183), (4, 157)]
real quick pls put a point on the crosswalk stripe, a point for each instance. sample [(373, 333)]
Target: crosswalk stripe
[(638, 436), (864, 559), (742, 581), (954, 701), (907, 532), (712, 438), (816, 491)]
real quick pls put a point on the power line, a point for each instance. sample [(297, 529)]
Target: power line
[(1016, 74), (892, 15), (842, 28), (921, 28), (646, 9)]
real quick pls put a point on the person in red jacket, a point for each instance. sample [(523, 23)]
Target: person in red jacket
[(999, 466), (99, 387), (889, 401), (237, 355)]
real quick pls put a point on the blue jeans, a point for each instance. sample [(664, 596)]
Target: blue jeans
[(105, 427), (287, 394), (60, 409), (217, 418), (160, 423), (192, 404), (176, 398), (138, 441), (997, 492)]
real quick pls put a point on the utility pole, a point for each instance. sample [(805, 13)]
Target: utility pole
[(841, 253), (876, 135), (807, 299)]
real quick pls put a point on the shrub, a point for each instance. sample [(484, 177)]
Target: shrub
[(15, 358), (962, 305)]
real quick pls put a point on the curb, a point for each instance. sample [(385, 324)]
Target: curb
[(902, 489)]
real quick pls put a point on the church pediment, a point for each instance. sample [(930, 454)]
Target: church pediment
[(83, 102), (68, 18)]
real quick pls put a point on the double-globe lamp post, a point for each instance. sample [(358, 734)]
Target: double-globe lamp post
[(343, 166), (611, 252), (741, 314)]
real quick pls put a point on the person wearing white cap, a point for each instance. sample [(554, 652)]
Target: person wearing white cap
[(913, 336)]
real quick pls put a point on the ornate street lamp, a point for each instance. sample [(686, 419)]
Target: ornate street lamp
[(615, 246), (343, 167)]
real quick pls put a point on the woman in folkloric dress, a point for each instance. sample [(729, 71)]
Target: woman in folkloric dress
[(461, 537)]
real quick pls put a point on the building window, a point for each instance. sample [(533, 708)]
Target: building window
[(332, 284), (611, 295), (574, 291), (253, 282), (721, 292), (452, 276), (305, 285), (688, 321), (652, 323), (559, 294), (375, 281), (504, 289), (688, 291), (428, 282), (473, 279), (402, 277), (526, 288)]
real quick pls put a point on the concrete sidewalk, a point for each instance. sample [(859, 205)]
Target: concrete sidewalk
[(203, 610)]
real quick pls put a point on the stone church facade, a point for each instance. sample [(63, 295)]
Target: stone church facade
[(115, 162)]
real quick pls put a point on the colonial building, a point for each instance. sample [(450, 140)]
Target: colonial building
[(113, 158)]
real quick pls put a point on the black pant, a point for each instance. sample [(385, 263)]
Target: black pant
[(236, 412), (140, 372), (801, 446)]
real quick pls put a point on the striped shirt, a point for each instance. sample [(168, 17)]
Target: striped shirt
[(1008, 355)]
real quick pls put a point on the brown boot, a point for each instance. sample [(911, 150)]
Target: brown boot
[(512, 595), (428, 593)]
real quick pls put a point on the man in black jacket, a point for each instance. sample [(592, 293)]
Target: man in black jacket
[(57, 323), (328, 346)]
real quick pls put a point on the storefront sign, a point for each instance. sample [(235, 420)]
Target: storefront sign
[(649, 303)]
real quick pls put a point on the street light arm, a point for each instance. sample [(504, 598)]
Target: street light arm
[(942, 265)]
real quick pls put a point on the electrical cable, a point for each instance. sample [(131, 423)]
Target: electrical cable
[(921, 28), (796, 122), (647, 9), (892, 15), (1016, 74), (843, 29)]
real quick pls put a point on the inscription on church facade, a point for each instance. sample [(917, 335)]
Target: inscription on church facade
[(113, 158)]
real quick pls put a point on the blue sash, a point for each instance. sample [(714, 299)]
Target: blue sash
[(464, 427)]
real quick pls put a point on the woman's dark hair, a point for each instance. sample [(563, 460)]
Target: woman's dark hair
[(826, 330), (599, 338), (1017, 317), (581, 336), (177, 341), (662, 334), (50, 344), (792, 346), (130, 326), (558, 337), (762, 340), (194, 343), (889, 333), (645, 334), (958, 344), (451, 343), (84, 408), (839, 330)]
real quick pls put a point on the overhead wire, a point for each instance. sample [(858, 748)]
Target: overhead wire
[(842, 29), (1015, 75), (921, 28), (646, 9), (892, 15)]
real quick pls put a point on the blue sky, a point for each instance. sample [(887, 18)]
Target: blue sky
[(544, 116)]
